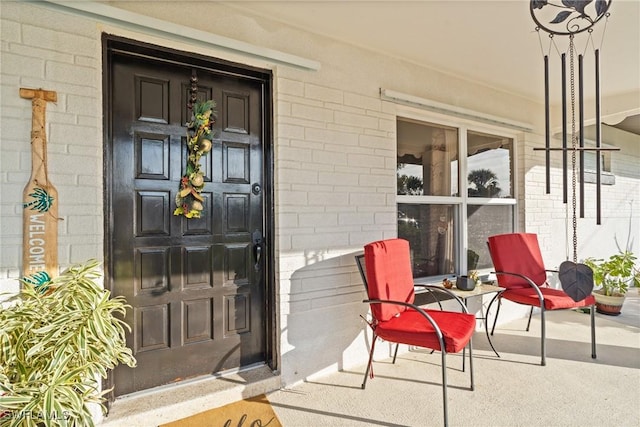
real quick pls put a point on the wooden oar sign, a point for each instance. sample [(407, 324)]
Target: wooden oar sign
[(40, 199)]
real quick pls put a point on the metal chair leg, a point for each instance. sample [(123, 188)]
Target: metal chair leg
[(395, 353), (543, 345), (471, 365), (495, 319), (444, 386), (444, 380), (485, 317), (366, 373), (529, 322), (593, 331)]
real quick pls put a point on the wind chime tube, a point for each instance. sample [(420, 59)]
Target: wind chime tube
[(581, 119), (547, 132), (598, 137), (565, 184)]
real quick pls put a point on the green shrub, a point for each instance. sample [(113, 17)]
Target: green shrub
[(55, 344)]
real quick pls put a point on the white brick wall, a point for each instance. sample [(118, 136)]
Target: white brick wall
[(333, 191), (551, 219), (35, 55)]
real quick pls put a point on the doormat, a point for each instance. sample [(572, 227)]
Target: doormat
[(256, 411)]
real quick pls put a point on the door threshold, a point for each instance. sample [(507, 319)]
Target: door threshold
[(180, 400)]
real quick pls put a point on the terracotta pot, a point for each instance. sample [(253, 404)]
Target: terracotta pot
[(608, 304)]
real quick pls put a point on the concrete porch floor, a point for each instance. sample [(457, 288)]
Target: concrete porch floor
[(513, 390)]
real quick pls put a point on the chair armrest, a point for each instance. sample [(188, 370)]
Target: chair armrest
[(433, 288), (529, 282)]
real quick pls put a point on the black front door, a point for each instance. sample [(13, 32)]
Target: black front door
[(196, 286)]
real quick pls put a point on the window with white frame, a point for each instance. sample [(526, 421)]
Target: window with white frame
[(590, 165), (449, 204)]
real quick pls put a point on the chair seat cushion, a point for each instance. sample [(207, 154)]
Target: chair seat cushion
[(554, 299), (411, 328)]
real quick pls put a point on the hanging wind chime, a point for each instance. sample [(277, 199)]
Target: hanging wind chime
[(570, 18), (189, 201)]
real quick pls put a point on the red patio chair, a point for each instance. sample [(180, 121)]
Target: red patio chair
[(397, 319), (520, 269)]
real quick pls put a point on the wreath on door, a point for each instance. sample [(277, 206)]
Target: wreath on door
[(189, 202)]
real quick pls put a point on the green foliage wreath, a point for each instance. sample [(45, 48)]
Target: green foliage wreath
[(199, 142)]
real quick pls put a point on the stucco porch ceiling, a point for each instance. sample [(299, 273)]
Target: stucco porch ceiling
[(490, 42)]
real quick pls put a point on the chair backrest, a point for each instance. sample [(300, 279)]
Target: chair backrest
[(362, 267), (517, 253), (389, 276)]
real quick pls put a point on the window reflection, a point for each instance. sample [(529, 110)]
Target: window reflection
[(431, 235), (484, 221), (489, 165), (427, 159)]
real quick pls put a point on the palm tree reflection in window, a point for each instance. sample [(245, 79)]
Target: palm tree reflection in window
[(409, 184), (484, 183)]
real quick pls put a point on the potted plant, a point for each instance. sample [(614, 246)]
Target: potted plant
[(468, 282), (56, 340), (613, 275)]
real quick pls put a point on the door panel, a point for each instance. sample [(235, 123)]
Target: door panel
[(197, 294)]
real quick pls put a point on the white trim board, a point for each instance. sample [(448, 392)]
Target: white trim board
[(452, 110), (160, 27)]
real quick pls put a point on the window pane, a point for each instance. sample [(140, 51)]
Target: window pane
[(489, 161), (431, 234), (485, 221), (590, 161), (427, 159)]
